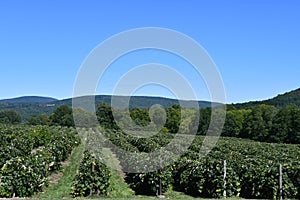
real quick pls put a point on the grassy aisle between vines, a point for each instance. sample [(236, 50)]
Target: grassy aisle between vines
[(118, 186), (120, 189), (63, 188)]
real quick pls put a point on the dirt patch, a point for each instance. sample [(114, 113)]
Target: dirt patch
[(54, 178), (65, 163)]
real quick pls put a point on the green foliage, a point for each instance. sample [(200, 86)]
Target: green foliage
[(41, 136), (92, 178), (140, 116), (41, 119), (204, 177), (173, 118), (62, 116), (10, 117), (204, 120), (252, 170), (62, 189), (259, 123), (22, 177), (235, 119), (148, 183), (14, 142), (141, 183), (291, 98), (27, 110), (252, 167), (105, 116), (286, 126), (29, 154)]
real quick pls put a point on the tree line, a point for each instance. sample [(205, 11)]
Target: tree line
[(263, 123)]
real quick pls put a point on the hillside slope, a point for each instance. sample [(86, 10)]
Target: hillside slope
[(34, 105), (29, 99), (31, 106), (291, 98)]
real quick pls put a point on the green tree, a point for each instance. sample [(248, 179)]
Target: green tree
[(259, 123), (286, 126), (42, 119), (10, 117), (105, 116), (204, 120), (140, 116), (173, 118), (234, 122), (62, 116)]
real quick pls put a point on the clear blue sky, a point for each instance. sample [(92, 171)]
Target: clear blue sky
[(254, 43)]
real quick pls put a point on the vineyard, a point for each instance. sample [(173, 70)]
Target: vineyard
[(252, 167), (29, 154)]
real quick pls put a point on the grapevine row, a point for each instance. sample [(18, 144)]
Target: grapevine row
[(29, 154)]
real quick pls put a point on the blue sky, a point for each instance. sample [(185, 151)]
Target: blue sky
[(254, 43)]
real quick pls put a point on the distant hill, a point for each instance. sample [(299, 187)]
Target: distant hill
[(30, 106), (29, 99), (138, 101), (34, 105), (291, 98), (27, 110)]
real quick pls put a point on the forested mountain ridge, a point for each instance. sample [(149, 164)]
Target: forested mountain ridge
[(34, 105), (29, 99), (291, 98)]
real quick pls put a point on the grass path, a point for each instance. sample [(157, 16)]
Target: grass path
[(118, 186), (120, 190)]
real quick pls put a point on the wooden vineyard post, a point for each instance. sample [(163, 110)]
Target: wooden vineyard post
[(224, 179), (160, 184), (160, 193), (93, 166), (160, 172), (280, 182)]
